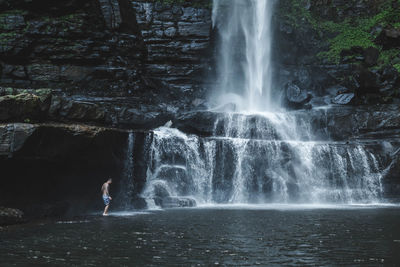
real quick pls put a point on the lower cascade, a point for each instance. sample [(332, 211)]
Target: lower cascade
[(262, 154), (257, 163)]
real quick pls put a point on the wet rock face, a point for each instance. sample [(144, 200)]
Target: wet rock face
[(105, 47), (393, 175), (74, 45), (177, 39), (339, 123)]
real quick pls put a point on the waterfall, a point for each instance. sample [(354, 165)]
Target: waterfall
[(125, 195), (234, 167), (244, 59), (260, 153)]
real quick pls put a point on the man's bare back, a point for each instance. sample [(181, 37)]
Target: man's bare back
[(104, 189)]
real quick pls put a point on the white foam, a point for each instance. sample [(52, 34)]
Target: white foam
[(305, 206), (128, 213), (72, 222)]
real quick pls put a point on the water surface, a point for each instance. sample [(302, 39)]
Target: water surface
[(224, 235)]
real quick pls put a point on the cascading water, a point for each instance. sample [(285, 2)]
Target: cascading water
[(261, 154), (244, 69), (125, 195), (256, 164)]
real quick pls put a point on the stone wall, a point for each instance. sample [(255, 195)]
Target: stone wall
[(70, 46), (105, 47), (177, 38)]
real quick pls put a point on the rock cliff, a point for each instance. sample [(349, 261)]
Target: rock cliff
[(76, 75), (149, 51)]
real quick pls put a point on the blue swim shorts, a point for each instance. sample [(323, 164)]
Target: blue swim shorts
[(106, 200)]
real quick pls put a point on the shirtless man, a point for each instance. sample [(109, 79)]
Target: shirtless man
[(106, 195)]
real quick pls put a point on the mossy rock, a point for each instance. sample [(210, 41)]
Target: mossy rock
[(21, 107)]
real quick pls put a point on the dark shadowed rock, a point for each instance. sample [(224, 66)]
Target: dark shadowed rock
[(200, 123), (371, 56), (367, 81), (389, 38), (11, 216)]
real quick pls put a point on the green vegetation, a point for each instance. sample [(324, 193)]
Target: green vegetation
[(397, 66), (348, 37), (354, 32), (387, 56), (358, 33)]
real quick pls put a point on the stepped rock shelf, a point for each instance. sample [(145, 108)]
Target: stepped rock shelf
[(195, 159)]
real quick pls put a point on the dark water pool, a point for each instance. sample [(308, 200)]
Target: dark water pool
[(225, 236)]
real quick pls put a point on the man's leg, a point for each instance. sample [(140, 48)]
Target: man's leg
[(106, 210)]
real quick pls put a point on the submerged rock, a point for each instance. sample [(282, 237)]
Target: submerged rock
[(177, 202), (11, 216)]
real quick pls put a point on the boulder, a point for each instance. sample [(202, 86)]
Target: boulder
[(367, 81), (343, 99), (160, 190), (371, 56), (389, 73), (389, 38), (200, 123), (295, 96), (11, 216)]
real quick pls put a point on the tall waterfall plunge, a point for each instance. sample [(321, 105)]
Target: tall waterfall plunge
[(244, 53), (261, 154)]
